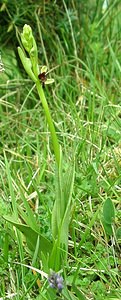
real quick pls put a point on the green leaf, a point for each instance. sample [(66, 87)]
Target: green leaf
[(68, 295), (65, 218), (28, 217), (55, 257), (118, 234), (12, 194), (62, 207), (59, 201), (107, 227), (45, 245), (78, 293), (61, 213), (87, 231), (108, 211)]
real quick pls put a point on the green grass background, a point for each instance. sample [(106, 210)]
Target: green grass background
[(83, 41)]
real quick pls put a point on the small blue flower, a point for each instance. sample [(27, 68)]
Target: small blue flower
[(60, 287), (51, 285), (56, 281)]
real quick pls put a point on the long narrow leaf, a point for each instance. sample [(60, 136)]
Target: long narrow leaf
[(64, 204), (31, 237), (31, 218), (58, 205), (66, 218), (11, 189)]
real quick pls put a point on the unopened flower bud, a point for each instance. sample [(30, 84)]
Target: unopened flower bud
[(27, 64), (28, 41), (27, 38)]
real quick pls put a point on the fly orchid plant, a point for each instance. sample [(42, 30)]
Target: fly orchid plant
[(53, 254), (64, 182)]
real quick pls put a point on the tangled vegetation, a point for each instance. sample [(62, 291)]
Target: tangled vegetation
[(60, 150)]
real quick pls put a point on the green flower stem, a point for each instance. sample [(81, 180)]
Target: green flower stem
[(55, 142)]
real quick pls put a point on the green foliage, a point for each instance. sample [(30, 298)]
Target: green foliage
[(108, 216), (61, 213), (32, 237), (107, 228), (108, 211), (78, 293), (60, 208), (118, 234)]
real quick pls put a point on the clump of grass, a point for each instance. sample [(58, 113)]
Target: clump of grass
[(53, 254), (84, 103)]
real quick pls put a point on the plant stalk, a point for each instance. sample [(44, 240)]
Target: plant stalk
[(55, 142)]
